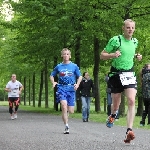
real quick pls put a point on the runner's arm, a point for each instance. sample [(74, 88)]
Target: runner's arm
[(79, 80), (21, 88), (53, 81), (7, 90), (104, 55), (138, 56)]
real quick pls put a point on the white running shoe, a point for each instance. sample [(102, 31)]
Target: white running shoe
[(66, 130), (12, 117), (15, 116)]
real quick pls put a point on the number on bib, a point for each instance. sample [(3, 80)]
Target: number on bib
[(127, 78)]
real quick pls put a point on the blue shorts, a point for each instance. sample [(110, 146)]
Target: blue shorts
[(69, 96)]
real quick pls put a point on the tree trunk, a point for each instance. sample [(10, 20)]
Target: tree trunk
[(41, 89), (24, 97), (46, 84), (105, 104), (20, 79), (29, 91), (77, 61), (140, 106), (33, 89), (96, 74), (122, 105)]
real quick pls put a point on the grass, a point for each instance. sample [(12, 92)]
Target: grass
[(94, 116)]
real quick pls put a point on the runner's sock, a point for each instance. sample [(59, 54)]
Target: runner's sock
[(113, 115), (129, 129)]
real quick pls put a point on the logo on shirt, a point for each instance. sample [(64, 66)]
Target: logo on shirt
[(64, 73)]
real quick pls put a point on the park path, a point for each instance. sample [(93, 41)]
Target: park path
[(36, 131)]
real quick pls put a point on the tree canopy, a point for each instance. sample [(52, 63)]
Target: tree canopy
[(39, 29)]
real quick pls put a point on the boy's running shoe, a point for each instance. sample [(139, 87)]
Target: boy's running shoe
[(129, 136), (110, 121), (66, 130)]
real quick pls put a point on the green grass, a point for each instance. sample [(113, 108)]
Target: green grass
[(94, 116)]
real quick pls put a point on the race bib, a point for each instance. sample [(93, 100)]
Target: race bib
[(14, 92), (127, 78)]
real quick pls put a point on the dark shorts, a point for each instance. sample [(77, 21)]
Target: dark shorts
[(15, 100), (115, 82)]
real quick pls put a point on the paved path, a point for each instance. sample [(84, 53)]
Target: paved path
[(35, 131)]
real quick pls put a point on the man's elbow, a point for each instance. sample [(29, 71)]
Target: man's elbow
[(102, 57)]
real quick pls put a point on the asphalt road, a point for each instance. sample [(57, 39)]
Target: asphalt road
[(35, 131)]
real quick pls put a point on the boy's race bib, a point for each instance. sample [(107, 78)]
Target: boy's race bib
[(14, 92), (127, 78)]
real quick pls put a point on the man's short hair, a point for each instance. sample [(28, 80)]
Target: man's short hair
[(127, 20)]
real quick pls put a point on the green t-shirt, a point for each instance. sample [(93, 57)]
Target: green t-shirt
[(127, 49)]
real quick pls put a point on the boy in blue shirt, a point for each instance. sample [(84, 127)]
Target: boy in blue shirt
[(68, 73)]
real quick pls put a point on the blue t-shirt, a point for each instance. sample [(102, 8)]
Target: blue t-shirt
[(67, 75)]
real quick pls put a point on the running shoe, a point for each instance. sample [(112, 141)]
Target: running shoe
[(66, 130), (142, 123), (129, 136), (110, 121), (12, 117), (85, 120), (15, 115)]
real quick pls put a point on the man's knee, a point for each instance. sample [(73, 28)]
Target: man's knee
[(10, 104), (131, 102), (64, 107)]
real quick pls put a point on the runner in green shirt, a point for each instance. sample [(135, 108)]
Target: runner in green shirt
[(121, 49)]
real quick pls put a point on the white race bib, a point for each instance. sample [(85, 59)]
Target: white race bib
[(14, 92), (127, 78)]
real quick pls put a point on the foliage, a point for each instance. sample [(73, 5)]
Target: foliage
[(40, 29)]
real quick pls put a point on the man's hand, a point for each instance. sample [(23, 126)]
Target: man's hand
[(8, 90), (76, 86), (139, 57), (54, 84), (117, 54), (19, 92)]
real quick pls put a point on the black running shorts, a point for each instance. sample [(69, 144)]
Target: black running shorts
[(115, 82)]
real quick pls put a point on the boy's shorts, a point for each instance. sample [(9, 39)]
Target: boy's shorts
[(69, 96)]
